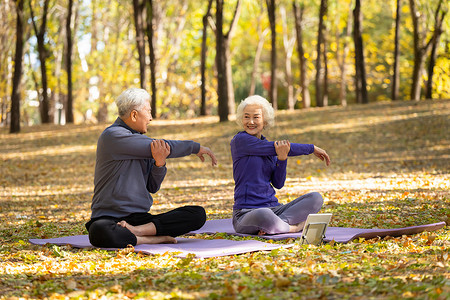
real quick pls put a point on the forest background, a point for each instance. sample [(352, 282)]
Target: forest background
[(203, 57), (390, 159)]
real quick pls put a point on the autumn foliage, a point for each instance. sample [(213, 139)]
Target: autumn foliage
[(390, 168)]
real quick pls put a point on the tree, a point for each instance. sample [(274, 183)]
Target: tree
[(203, 59), (222, 92), (360, 76), (321, 68), (229, 71), (7, 33), (111, 65), (261, 39), (439, 17), (273, 54), (69, 106), (43, 53), (225, 92), (298, 14), (15, 97), (396, 75), (289, 44), (151, 44), (342, 58), (421, 46), (138, 13)]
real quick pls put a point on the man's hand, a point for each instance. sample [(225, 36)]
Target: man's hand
[(282, 148), (160, 151), (207, 151), (320, 153)]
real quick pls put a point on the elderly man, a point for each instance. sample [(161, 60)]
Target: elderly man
[(128, 168)]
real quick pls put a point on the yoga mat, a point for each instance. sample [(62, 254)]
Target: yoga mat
[(201, 248), (338, 234)]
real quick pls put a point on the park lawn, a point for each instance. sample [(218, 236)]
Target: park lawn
[(390, 168)]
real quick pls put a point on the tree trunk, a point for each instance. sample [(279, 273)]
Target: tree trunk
[(360, 78), (325, 67), (46, 116), (298, 14), (69, 106), (229, 74), (102, 114), (150, 37), (273, 54), (288, 44), (222, 91), (435, 41), (60, 54), (261, 38), (15, 96), (421, 47), (418, 54), (256, 61), (6, 58), (203, 60), (320, 70), (138, 13), (341, 60), (94, 32), (229, 71), (396, 75), (7, 99)]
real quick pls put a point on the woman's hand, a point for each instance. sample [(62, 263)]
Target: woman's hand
[(282, 148), (160, 151), (207, 151), (320, 153)]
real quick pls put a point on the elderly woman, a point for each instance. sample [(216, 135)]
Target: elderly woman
[(260, 165)]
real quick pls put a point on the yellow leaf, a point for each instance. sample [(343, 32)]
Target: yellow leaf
[(71, 284), (408, 294), (115, 288), (282, 282)]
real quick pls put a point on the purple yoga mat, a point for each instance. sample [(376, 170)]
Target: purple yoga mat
[(201, 248), (338, 234)]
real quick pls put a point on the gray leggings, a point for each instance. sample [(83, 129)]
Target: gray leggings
[(276, 219)]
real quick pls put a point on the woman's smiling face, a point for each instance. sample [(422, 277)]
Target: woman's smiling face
[(253, 120)]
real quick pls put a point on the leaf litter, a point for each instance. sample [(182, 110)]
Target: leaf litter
[(390, 168)]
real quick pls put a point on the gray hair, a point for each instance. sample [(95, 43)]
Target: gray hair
[(132, 98), (267, 109)]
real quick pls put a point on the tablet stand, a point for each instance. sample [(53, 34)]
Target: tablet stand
[(314, 233)]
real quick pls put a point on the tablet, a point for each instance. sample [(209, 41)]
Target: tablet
[(314, 229)]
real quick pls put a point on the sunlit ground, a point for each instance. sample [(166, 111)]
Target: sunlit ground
[(390, 168)]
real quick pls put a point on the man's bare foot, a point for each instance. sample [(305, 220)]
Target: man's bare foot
[(158, 239), (297, 227), (261, 232), (140, 230)]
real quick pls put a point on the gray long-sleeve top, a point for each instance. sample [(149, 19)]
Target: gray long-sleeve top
[(125, 171)]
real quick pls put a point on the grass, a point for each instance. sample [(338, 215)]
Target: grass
[(390, 168)]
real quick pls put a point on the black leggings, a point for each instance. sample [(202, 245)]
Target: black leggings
[(104, 231)]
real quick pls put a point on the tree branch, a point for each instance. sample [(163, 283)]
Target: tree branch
[(237, 12)]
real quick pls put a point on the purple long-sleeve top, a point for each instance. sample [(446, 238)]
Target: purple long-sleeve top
[(257, 170)]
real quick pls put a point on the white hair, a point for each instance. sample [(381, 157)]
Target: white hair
[(132, 98), (267, 110)]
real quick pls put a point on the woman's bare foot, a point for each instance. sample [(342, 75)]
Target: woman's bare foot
[(158, 239), (140, 230), (297, 227)]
